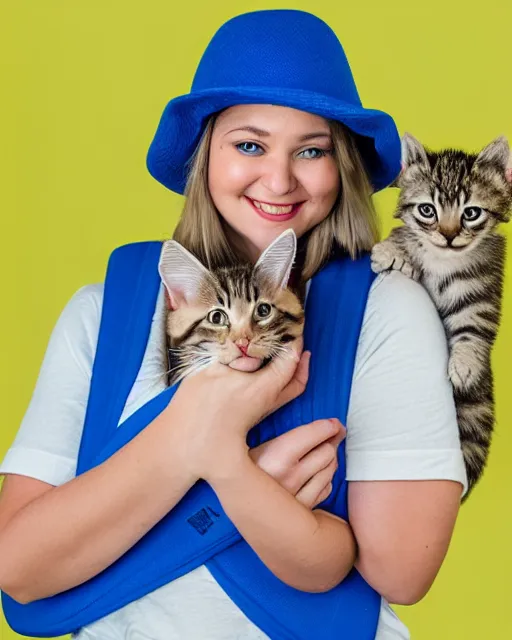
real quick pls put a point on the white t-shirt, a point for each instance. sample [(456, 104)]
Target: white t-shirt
[(401, 426)]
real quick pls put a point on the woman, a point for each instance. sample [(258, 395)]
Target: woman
[(272, 136)]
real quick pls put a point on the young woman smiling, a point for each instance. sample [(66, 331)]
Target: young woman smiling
[(272, 136)]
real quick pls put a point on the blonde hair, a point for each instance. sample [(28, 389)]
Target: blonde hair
[(351, 225)]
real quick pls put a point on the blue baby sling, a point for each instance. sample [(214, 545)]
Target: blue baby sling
[(197, 531)]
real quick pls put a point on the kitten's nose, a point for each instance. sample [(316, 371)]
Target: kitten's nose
[(450, 235), (243, 345)]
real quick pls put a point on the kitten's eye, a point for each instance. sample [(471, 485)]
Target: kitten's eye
[(263, 310), (218, 318), (472, 213), (427, 210)]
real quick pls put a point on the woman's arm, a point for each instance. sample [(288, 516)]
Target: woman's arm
[(57, 531), (403, 529), (308, 550), (72, 532), (76, 530), (404, 462)]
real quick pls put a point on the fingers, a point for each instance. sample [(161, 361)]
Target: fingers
[(340, 436), (283, 367), (301, 440), (295, 456), (296, 384), (313, 463), (323, 495), (318, 487)]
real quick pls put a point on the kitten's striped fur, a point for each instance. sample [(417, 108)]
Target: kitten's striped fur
[(450, 203), (219, 315)]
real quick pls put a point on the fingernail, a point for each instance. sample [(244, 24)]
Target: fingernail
[(335, 424)]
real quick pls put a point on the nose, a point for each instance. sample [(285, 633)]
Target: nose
[(278, 176), (243, 345), (450, 235), (449, 228)]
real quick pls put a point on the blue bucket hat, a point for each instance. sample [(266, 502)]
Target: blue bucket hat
[(282, 57)]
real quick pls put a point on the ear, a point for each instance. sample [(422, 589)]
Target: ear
[(413, 152), (275, 263), (181, 273), (497, 153)]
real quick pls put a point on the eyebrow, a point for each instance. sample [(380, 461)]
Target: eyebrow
[(262, 133)]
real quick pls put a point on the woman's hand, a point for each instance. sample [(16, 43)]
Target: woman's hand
[(215, 408), (303, 460)]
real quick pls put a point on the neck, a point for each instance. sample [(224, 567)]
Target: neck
[(242, 247)]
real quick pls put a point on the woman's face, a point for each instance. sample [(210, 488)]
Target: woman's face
[(271, 168)]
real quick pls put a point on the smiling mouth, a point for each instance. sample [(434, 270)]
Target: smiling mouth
[(275, 209)]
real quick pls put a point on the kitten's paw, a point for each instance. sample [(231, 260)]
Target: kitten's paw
[(408, 270), (464, 366), (385, 257)]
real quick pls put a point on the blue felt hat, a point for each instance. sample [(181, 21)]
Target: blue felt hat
[(283, 57)]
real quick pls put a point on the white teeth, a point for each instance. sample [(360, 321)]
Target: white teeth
[(267, 208)]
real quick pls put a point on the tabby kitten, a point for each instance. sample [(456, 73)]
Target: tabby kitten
[(244, 313), (450, 203)]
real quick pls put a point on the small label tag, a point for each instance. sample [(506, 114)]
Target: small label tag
[(203, 520)]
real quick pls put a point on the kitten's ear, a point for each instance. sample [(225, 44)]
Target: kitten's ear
[(275, 263), (413, 152), (181, 273), (496, 153)]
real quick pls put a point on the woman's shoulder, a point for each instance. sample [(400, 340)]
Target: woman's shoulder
[(398, 304), (392, 289), (84, 304), (401, 328), (79, 320), (88, 295)]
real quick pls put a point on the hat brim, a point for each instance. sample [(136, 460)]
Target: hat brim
[(184, 118)]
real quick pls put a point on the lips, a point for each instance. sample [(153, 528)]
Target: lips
[(288, 213)]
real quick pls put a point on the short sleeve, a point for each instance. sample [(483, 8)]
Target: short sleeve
[(47, 442), (402, 422)]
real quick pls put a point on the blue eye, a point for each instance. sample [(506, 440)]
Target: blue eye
[(247, 151), (249, 148), (321, 153)]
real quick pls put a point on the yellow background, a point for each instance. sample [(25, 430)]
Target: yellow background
[(83, 88)]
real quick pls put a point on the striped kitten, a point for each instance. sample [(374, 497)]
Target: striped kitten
[(450, 203), (244, 313)]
